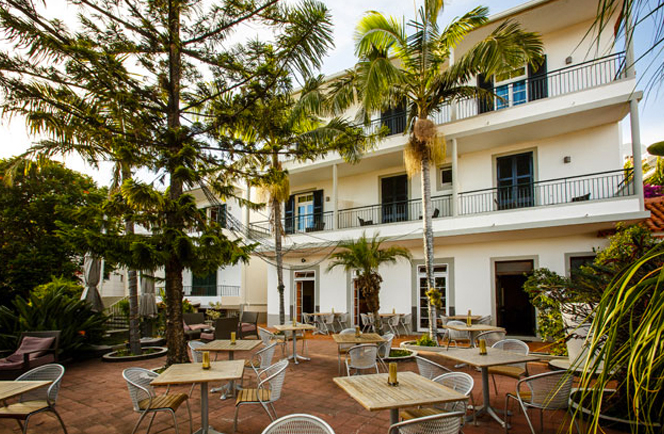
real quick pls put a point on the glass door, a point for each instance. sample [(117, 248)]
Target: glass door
[(304, 211), (515, 181), (394, 198), (440, 282)]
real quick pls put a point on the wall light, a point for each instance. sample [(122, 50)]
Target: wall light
[(567, 159)]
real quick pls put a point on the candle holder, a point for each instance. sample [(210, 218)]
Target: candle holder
[(233, 338), (392, 376), (469, 320), (206, 360), (483, 351), (357, 331)]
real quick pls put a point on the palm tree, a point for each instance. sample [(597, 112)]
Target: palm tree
[(283, 126), (366, 256), (396, 69)]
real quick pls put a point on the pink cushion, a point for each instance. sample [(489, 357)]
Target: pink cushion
[(246, 327), (199, 326), (6, 364), (207, 336), (35, 346), (186, 327)]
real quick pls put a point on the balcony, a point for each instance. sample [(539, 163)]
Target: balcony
[(554, 83), (212, 291), (570, 190)]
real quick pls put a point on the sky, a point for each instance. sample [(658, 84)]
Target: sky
[(14, 138)]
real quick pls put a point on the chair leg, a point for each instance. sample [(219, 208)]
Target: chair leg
[(237, 409), (175, 422), (25, 425), (60, 419), (154, 413), (191, 419), (495, 386), (138, 422)]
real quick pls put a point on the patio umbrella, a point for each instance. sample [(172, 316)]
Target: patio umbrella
[(91, 276), (147, 303)]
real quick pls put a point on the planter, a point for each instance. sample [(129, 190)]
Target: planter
[(609, 421), (400, 358), (114, 357), (412, 346)]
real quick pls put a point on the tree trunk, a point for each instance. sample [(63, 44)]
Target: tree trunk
[(428, 242), (371, 291), (174, 326), (132, 280), (276, 207)]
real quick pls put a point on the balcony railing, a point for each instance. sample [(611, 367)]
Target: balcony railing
[(393, 212), (596, 186), (554, 83), (299, 223), (212, 291)]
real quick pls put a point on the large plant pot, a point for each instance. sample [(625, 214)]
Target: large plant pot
[(613, 422), (411, 353), (411, 345), (114, 357)]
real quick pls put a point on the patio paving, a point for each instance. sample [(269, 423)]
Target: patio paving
[(94, 400)]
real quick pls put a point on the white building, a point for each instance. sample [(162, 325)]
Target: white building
[(533, 183)]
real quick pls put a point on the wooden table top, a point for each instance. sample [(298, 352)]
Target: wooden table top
[(364, 338), (9, 389), (494, 357), (289, 327), (464, 317), (473, 328), (374, 394), (187, 373), (225, 345), (388, 315), (325, 313)]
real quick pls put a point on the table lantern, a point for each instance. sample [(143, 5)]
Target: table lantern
[(392, 377), (357, 331), (206, 360), (332, 311), (232, 338), (469, 320), (394, 311), (483, 347)]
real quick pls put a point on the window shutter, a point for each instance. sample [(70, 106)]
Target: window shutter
[(289, 215), (485, 104), (221, 217), (538, 86), (318, 209)]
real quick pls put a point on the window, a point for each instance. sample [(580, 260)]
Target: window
[(204, 285), (304, 211), (511, 88), (578, 261), (218, 214), (515, 181), (445, 180), (440, 275)]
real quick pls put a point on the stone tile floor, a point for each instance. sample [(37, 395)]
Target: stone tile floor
[(94, 400)]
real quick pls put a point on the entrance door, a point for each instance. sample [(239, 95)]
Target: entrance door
[(515, 181), (514, 311), (394, 198), (305, 293)]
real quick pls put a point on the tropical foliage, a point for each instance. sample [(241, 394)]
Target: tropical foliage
[(410, 64), (365, 256), (34, 197)]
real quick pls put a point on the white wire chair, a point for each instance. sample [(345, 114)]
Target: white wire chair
[(37, 400), (384, 349), (491, 337), (458, 381), (486, 319), (268, 337), (444, 423), (547, 391), (393, 323), (268, 391), (145, 400), (298, 424), (327, 323), (429, 369), (406, 321), (342, 320), (262, 359), (361, 357), (515, 370), (342, 349), (367, 322), (455, 335), (195, 357)]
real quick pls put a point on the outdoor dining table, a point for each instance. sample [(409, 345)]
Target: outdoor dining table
[(374, 394), (363, 338), (188, 373), (10, 389), (473, 329), (494, 357), (295, 328), (225, 345)]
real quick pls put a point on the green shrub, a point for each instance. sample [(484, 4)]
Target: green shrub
[(426, 341), (52, 310), (72, 290), (549, 320)]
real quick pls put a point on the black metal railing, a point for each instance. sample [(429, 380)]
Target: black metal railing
[(596, 186), (315, 222), (212, 290), (558, 82), (393, 212)]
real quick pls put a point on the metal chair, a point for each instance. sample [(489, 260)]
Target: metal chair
[(37, 400), (454, 335), (299, 424), (146, 401), (367, 322), (262, 359), (343, 348), (362, 357), (342, 320), (491, 337), (406, 321), (457, 381), (429, 369), (444, 423), (393, 323), (195, 357), (384, 349), (547, 391), (268, 391), (268, 337), (486, 319), (327, 323), (516, 370)]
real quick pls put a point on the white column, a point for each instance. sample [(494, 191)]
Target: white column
[(455, 179), (635, 126), (246, 209), (335, 200)]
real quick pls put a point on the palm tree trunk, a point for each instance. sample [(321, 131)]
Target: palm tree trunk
[(427, 214), (276, 212)]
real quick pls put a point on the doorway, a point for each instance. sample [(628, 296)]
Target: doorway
[(305, 293), (514, 312), (394, 198), (515, 181)]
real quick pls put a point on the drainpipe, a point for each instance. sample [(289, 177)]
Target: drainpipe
[(635, 128), (335, 200), (455, 179)]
